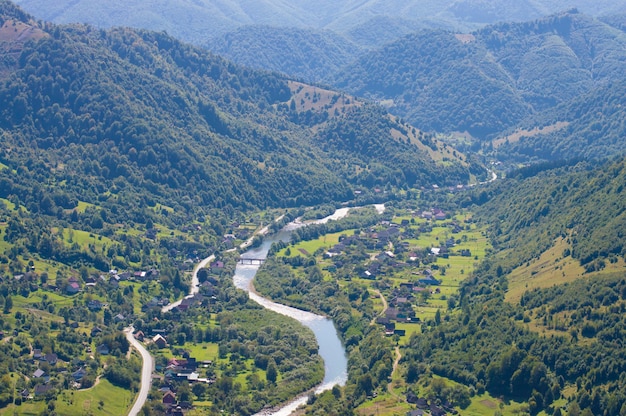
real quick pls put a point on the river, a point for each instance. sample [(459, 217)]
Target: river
[(331, 349)]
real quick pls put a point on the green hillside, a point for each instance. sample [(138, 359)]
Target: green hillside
[(103, 128), (303, 53), (541, 321), (538, 73)]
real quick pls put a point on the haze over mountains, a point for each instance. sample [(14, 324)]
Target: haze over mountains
[(198, 21)]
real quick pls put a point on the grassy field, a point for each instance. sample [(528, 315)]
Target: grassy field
[(84, 239), (307, 248), (552, 269), (102, 400)]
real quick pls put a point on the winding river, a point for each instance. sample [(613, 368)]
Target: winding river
[(330, 347)]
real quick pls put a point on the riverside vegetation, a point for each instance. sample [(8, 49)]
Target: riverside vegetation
[(127, 156)]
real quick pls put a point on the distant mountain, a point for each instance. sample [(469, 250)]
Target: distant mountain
[(304, 53), (138, 116), (493, 79), (198, 21)]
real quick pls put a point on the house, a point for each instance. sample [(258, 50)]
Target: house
[(37, 354), (79, 374), (436, 410), (51, 358), (124, 276), (72, 288), (159, 341), (421, 403), (390, 328), (141, 275), (103, 349), (95, 331), (391, 313), (217, 266), (139, 335), (169, 397), (119, 318), (94, 305), (382, 320), (42, 389), (39, 373), (429, 280)]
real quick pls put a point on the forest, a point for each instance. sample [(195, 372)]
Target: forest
[(128, 156)]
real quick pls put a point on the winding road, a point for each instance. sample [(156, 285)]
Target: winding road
[(146, 372)]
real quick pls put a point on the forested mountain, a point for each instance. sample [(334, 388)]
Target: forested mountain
[(304, 53), (140, 113), (197, 21), (492, 79), (588, 126), (585, 203), (551, 299)]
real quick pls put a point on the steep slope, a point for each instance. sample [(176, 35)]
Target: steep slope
[(493, 79), (139, 113), (584, 203), (588, 126), (439, 82), (542, 320), (304, 53)]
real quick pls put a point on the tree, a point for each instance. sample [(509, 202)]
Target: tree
[(272, 372), (8, 304)]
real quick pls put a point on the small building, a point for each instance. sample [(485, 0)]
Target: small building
[(103, 349), (79, 374), (42, 389), (169, 397), (51, 358), (159, 341), (72, 288)]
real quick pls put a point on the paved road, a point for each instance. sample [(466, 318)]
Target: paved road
[(195, 284), (146, 372)]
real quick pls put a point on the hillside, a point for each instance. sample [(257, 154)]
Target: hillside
[(579, 203), (588, 126), (142, 109), (491, 80), (303, 53), (550, 300), (127, 121)]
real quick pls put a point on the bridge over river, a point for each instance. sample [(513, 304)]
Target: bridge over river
[(256, 262)]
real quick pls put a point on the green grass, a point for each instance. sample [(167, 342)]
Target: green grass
[(116, 401), (29, 408), (58, 300), (85, 238), (310, 247), (82, 206), (203, 352), (10, 205)]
